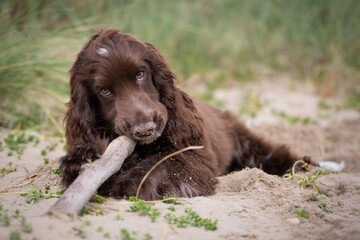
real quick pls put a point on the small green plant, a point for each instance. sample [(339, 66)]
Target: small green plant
[(33, 195), (8, 169), (79, 231), (172, 208), (36, 194), (302, 213), (292, 119), (252, 104), (100, 229), (327, 136), (148, 236), (324, 207), (59, 193), (353, 100), (15, 235), (17, 143), (289, 118), (17, 214), (51, 147), (47, 189), (246, 168), (43, 152), (118, 217), (191, 218), (309, 180), (91, 211), (25, 226), (144, 208), (107, 235), (56, 170), (46, 160), (5, 219), (126, 235), (99, 199), (323, 105), (306, 181), (288, 176), (315, 197), (171, 199)]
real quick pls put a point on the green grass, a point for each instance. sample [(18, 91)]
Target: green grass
[(171, 200), (15, 235), (30, 86), (98, 199), (315, 197), (7, 220), (25, 226), (35, 194), (353, 100), (56, 170), (315, 40), (144, 208), (8, 169), (191, 218), (324, 207), (302, 213), (127, 235), (18, 143)]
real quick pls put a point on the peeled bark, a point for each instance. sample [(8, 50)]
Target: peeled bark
[(91, 177)]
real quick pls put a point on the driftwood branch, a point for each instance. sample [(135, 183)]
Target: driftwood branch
[(91, 177)]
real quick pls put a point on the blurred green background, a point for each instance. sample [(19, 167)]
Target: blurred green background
[(217, 40)]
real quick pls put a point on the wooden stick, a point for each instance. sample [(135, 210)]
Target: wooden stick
[(91, 177)]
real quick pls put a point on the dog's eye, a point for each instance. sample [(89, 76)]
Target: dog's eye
[(140, 75), (105, 92)]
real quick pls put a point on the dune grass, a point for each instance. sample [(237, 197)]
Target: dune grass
[(317, 40)]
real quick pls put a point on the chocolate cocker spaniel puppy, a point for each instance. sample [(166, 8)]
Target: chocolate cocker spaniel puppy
[(123, 86)]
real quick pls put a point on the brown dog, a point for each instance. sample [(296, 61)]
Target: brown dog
[(122, 86)]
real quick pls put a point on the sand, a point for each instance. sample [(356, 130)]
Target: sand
[(248, 204)]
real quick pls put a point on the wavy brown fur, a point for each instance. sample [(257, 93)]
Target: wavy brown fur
[(109, 98)]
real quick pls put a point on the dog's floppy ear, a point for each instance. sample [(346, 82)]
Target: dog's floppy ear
[(80, 117), (184, 127)]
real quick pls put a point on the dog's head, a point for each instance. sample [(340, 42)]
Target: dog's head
[(116, 83), (120, 85)]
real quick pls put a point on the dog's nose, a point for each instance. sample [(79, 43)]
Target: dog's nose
[(144, 130)]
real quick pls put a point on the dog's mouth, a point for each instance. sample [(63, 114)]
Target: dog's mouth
[(144, 133), (147, 139)]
